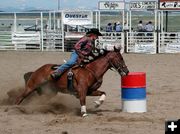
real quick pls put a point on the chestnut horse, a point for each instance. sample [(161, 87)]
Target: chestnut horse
[(86, 80)]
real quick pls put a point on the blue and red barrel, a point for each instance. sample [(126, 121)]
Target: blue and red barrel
[(133, 92)]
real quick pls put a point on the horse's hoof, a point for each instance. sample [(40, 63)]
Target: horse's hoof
[(97, 104), (84, 115)]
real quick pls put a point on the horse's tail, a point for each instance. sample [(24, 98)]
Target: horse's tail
[(27, 76)]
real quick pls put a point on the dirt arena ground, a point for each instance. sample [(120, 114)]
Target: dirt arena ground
[(60, 114)]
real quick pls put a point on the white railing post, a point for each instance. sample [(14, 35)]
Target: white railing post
[(15, 29), (99, 19), (96, 19), (62, 29), (54, 18), (49, 21), (42, 33), (127, 45)]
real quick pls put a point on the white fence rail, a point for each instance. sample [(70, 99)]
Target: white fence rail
[(26, 40), (31, 31), (45, 32), (6, 41), (52, 40)]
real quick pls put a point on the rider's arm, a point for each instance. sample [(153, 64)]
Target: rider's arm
[(84, 46)]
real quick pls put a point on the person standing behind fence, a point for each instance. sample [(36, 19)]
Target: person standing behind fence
[(109, 27), (149, 28), (118, 27), (140, 26)]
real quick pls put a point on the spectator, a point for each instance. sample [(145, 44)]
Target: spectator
[(140, 27), (109, 27), (118, 27), (149, 27)]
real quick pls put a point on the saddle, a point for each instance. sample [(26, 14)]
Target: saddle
[(70, 75)]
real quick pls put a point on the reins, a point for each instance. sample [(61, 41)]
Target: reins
[(116, 69)]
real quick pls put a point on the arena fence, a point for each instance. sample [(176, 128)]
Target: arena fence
[(45, 32), (31, 31), (169, 42), (141, 42), (6, 41), (111, 39)]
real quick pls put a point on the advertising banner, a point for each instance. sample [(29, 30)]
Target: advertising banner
[(111, 5), (149, 48), (135, 5), (169, 4), (172, 48), (78, 17)]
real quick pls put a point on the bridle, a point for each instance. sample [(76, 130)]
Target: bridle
[(120, 65)]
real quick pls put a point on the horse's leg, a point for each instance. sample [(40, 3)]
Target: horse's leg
[(101, 99), (94, 92), (30, 87), (82, 97), (26, 93), (27, 77), (35, 80)]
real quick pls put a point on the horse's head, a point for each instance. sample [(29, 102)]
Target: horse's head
[(117, 62)]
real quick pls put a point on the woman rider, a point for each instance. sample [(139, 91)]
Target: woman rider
[(82, 48)]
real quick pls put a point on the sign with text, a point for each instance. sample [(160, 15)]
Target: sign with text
[(172, 48), (169, 4), (139, 5), (149, 48), (77, 17), (111, 5)]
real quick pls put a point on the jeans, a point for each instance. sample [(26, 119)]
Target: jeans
[(73, 59)]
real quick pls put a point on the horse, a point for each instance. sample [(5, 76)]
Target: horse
[(86, 79)]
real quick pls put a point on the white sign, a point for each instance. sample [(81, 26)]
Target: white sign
[(172, 48), (26, 38), (171, 5), (78, 17), (145, 48), (143, 5), (111, 5)]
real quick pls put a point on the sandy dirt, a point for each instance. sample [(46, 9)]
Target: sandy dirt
[(61, 114)]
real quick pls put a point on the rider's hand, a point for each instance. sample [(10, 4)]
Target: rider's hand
[(90, 58)]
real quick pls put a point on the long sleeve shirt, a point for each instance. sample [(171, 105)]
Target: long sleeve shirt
[(84, 46)]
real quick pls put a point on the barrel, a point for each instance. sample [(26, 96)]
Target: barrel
[(133, 92)]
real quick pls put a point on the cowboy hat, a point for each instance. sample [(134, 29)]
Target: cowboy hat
[(94, 31)]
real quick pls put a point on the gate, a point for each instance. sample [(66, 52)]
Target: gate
[(169, 19), (142, 40)]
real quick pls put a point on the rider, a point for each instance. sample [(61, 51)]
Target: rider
[(82, 48)]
